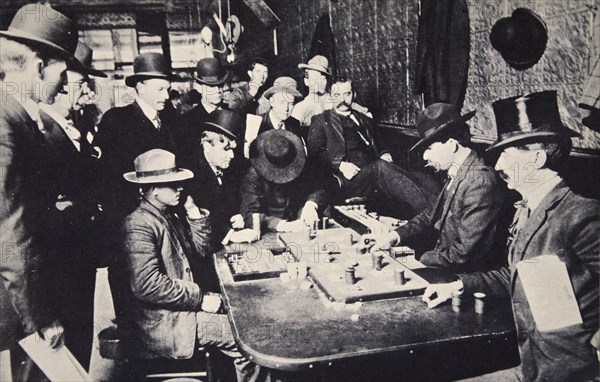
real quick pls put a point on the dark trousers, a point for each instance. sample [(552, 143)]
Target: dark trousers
[(411, 193)]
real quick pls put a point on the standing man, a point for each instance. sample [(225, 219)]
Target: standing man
[(341, 142), (34, 54), (316, 76), (554, 236), (75, 215), (246, 98), (466, 219), (126, 132), (161, 310)]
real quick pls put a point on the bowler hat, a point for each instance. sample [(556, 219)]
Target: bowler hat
[(83, 65), (521, 39), (156, 166), (149, 65), (318, 63), (210, 72), (438, 120), (225, 122), (529, 119), (42, 26), (285, 85), (278, 156)]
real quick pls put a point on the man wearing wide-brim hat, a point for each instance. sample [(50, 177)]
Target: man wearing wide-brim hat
[(278, 188), (282, 97), (36, 50), (467, 218), (552, 271), (161, 310), (126, 132)]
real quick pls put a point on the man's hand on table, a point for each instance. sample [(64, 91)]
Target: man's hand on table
[(237, 221), (435, 294), (211, 302), (377, 241), (247, 235)]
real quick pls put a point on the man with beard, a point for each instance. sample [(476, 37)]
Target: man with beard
[(466, 219)]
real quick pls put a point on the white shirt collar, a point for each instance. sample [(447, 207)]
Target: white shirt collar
[(541, 191), (67, 125), (209, 107), (275, 121), (460, 159), (148, 110)]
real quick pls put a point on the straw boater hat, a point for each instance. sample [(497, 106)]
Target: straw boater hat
[(225, 122), (210, 72), (437, 120), (284, 85), (39, 25), (528, 119), (278, 156), (317, 63), (147, 66), (156, 166), (84, 54)]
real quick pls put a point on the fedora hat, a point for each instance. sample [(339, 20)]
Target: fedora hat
[(528, 119), (278, 156), (318, 63), (42, 26), (156, 166), (149, 65), (83, 65), (225, 122), (521, 38), (210, 72), (438, 120), (285, 85)]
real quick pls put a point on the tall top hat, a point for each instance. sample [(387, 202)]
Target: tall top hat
[(210, 72), (42, 26), (83, 54), (225, 122), (286, 85), (149, 65), (156, 166), (278, 156), (318, 63), (438, 120), (521, 38), (528, 119)]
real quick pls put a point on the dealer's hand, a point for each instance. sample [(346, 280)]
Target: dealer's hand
[(349, 170), (435, 294)]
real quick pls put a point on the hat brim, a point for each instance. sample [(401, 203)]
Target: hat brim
[(220, 129), (272, 90), (78, 67), (279, 175), (137, 77), (315, 68), (531, 137), (180, 175), (442, 129), (216, 82), (29, 38)]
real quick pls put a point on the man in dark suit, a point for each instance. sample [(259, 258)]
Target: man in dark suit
[(343, 143), (75, 170), (466, 221), (554, 246), (282, 96), (35, 53), (126, 132)]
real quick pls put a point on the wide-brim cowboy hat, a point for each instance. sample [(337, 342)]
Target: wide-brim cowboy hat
[(284, 85), (318, 63), (147, 66), (278, 156), (42, 26), (210, 72), (83, 55), (157, 166), (225, 122), (529, 119), (438, 120)]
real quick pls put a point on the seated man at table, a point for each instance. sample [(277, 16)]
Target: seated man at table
[(467, 220), (278, 191), (553, 251), (161, 311)]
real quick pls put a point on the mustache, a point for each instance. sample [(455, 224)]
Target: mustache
[(343, 103)]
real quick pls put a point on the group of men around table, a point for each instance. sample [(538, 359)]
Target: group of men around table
[(240, 181)]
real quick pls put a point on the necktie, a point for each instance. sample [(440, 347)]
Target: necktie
[(521, 216), (157, 122), (281, 126), (73, 134)]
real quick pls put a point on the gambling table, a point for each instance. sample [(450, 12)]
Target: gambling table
[(298, 330)]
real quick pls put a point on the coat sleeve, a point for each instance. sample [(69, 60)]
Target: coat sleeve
[(412, 231), (202, 236), (476, 218), (147, 281), (494, 283), (317, 145)]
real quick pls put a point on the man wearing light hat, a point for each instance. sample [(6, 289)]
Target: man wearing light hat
[(36, 50), (161, 310), (553, 249), (466, 220)]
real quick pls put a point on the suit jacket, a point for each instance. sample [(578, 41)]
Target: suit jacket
[(187, 132), (326, 143), (290, 124), (466, 221), (123, 134), (26, 301), (277, 202), (153, 285), (565, 225)]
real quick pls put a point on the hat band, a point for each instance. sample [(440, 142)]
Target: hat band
[(143, 174), (210, 78)]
